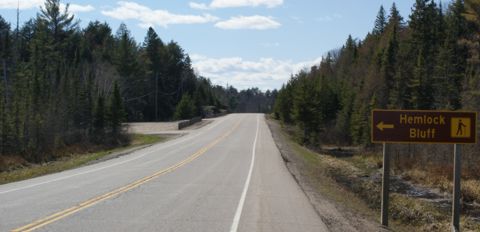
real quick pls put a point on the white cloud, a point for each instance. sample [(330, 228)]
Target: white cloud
[(75, 8), (23, 4), (265, 73), (235, 3), (28, 4), (149, 17), (256, 22), (198, 6), (80, 8)]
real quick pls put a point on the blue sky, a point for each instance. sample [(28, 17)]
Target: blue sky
[(244, 43)]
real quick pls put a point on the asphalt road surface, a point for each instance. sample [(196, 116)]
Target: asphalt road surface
[(226, 176)]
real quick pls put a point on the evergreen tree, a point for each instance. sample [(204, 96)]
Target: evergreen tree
[(452, 60), (394, 18), (59, 23), (305, 105), (60, 85), (98, 43), (388, 70), (351, 48), (154, 48), (116, 112), (429, 62), (344, 117), (424, 48), (99, 118), (471, 95), (380, 22), (283, 103), (125, 53), (134, 83), (185, 108)]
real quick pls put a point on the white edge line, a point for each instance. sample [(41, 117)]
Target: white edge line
[(238, 213), (108, 166)]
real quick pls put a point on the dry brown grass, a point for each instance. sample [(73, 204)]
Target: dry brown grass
[(414, 211), (407, 212), (11, 163), (471, 190), (425, 177), (429, 166), (429, 177)]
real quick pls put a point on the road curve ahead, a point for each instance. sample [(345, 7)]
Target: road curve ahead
[(226, 176)]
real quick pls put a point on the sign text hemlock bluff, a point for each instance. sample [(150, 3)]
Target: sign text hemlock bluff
[(419, 126), (423, 126)]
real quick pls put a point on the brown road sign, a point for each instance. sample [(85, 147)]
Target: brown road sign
[(423, 126)]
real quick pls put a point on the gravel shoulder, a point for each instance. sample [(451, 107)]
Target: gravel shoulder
[(340, 209)]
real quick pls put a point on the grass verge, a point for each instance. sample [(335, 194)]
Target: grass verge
[(319, 169), (73, 160), (355, 182)]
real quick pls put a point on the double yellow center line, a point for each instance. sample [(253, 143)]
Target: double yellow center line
[(86, 204)]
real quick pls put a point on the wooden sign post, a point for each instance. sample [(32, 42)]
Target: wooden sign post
[(423, 126)]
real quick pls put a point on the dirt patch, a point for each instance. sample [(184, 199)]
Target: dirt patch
[(335, 209), (151, 127)]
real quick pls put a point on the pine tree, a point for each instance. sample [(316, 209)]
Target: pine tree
[(57, 82), (283, 103), (358, 123), (185, 108), (98, 43), (452, 59), (394, 87), (58, 22), (99, 119), (2, 121), (471, 93), (116, 112), (132, 77), (425, 42), (83, 113), (305, 102), (380, 22), (351, 48), (5, 132), (394, 18), (388, 68), (154, 48), (125, 52), (344, 117)]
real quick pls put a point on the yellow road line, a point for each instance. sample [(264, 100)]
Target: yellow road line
[(65, 213)]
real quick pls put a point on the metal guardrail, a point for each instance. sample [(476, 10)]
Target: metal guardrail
[(185, 123), (216, 115)]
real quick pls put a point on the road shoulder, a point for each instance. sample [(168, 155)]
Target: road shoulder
[(340, 209)]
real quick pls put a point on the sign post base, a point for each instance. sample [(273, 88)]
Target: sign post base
[(385, 183), (456, 187)]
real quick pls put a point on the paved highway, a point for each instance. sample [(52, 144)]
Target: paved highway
[(226, 176)]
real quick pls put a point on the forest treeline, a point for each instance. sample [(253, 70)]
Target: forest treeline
[(62, 85), (430, 61)]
